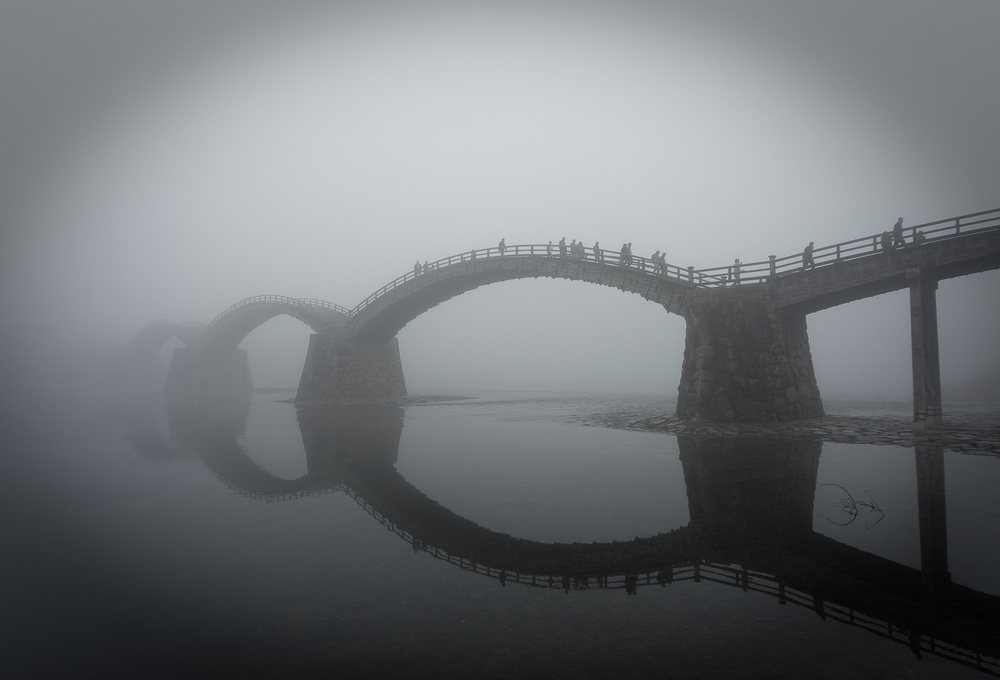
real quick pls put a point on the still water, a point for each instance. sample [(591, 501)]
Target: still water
[(502, 535)]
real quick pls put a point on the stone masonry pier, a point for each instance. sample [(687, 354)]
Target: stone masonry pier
[(744, 360), (342, 370)]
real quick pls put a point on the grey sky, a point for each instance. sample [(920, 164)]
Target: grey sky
[(165, 159)]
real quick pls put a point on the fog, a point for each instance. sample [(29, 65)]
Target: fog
[(163, 159)]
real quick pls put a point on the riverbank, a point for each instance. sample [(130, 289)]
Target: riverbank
[(973, 433)]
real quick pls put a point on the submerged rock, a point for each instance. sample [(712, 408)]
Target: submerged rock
[(971, 433)]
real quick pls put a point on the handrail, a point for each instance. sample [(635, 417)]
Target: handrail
[(756, 272), (279, 299), (713, 277), (602, 256)]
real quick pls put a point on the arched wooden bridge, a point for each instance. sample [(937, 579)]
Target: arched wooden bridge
[(356, 358)]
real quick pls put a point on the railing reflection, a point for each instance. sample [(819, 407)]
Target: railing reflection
[(733, 538)]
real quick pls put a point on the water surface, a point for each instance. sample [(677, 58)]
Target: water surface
[(506, 535)]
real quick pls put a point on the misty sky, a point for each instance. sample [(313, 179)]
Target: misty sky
[(167, 158)]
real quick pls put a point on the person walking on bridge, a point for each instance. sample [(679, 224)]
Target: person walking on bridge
[(598, 253), (807, 256), (502, 247), (562, 247), (736, 272), (897, 234)]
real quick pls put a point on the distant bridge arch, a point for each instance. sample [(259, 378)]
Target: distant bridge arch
[(227, 330), (217, 366)]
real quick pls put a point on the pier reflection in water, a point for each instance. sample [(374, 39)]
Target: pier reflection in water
[(748, 544)]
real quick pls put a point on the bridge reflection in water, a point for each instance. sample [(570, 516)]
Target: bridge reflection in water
[(751, 506)]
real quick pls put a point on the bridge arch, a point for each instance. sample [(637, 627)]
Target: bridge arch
[(384, 313), (227, 330)]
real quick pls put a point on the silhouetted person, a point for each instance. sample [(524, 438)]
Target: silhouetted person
[(548, 249), (427, 266), (598, 255), (628, 247), (623, 257), (502, 247), (736, 272), (562, 247), (886, 241), (897, 233), (919, 237), (416, 268), (807, 256)]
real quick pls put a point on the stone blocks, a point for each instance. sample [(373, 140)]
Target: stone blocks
[(744, 361), (341, 370)]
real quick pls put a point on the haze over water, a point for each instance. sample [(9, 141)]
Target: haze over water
[(164, 159)]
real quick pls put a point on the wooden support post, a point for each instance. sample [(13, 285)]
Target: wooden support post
[(932, 516), (926, 358)]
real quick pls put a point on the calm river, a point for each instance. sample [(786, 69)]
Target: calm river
[(498, 536)]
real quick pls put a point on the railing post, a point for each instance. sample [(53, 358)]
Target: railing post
[(838, 251), (958, 225), (691, 274), (773, 267)]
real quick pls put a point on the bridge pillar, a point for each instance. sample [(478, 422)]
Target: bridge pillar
[(747, 494), (199, 373), (744, 361), (340, 370), (926, 359), (932, 516)]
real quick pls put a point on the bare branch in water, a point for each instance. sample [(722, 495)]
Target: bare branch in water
[(851, 507)]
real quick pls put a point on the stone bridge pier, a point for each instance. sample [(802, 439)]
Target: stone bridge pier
[(745, 361), (341, 370)]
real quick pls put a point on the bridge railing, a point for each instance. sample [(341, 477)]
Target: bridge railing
[(714, 277), (756, 272), (279, 299), (588, 254)]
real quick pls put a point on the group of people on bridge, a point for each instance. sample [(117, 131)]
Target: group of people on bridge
[(890, 240), (577, 250)]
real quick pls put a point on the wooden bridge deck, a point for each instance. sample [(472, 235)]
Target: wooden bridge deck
[(841, 281)]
